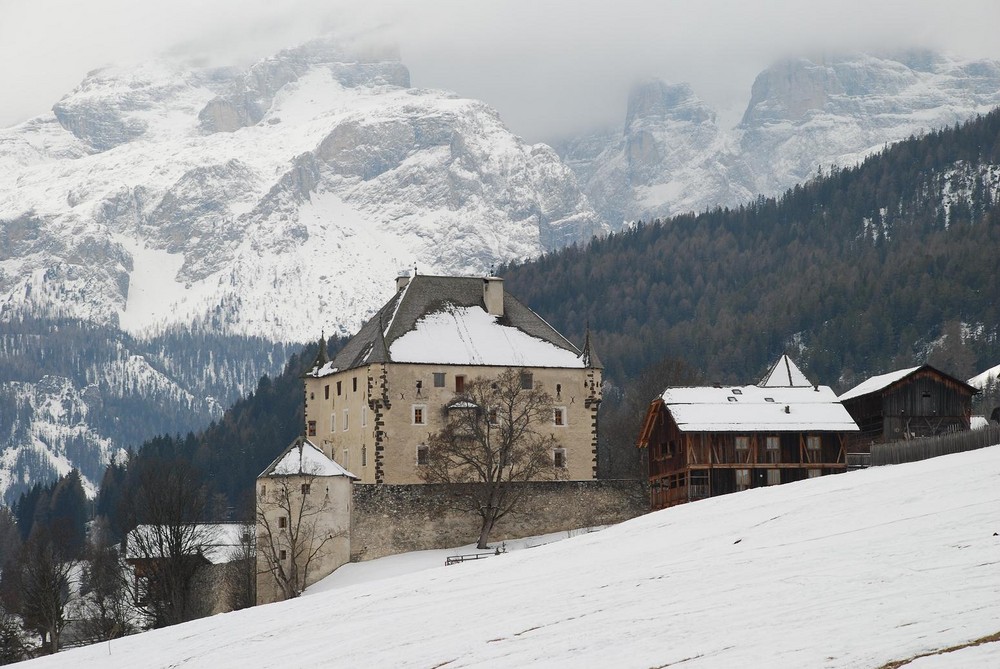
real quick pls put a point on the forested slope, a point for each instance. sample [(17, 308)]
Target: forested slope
[(858, 271)]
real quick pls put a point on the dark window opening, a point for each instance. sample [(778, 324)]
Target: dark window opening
[(326, 391), (338, 388), (439, 379), (527, 381), (459, 384), (312, 428), (422, 455), (354, 383)]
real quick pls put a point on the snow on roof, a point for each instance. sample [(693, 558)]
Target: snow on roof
[(470, 336), (303, 457), (877, 383), (980, 380), (785, 374), (219, 543), (756, 409)]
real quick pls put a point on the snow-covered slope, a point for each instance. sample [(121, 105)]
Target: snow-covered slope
[(273, 201), (853, 570), (671, 156)]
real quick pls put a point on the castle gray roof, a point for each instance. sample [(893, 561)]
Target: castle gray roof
[(427, 296)]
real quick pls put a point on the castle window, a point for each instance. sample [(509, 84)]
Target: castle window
[(282, 522), (558, 389), (263, 489), (312, 428), (559, 458), (439, 379), (459, 384), (338, 388), (305, 488), (346, 420), (326, 391), (423, 455), (559, 416), (347, 458), (364, 416), (527, 380), (282, 554), (419, 414), (333, 422)]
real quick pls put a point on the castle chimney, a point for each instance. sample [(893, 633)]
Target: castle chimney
[(493, 295)]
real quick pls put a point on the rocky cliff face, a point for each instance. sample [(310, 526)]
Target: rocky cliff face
[(670, 157), (276, 201)]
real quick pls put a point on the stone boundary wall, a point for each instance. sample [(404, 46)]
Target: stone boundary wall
[(390, 519)]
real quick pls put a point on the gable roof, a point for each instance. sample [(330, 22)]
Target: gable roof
[(785, 374), (303, 458), (757, 409), (883, 381), (443, 320)]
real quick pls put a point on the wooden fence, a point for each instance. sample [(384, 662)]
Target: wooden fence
[(911, 450)]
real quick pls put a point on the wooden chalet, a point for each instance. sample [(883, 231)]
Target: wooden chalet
[(908, 403), (708, 441)]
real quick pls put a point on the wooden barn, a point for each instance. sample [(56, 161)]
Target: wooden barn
[(708, 441), (915, 402)]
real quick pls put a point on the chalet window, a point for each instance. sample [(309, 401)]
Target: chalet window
[(813, 443), (773, 476), (312, 428), (559, 416), (419, 417), (772, 443), (527, 380), (439, 379), (282, 522), (559, 458), (459, 384), (354, 384), (338, 388), (423, 455), (742, 479), (282, 554), (815, 473), (742, 443), (305, 488), (326, 391)]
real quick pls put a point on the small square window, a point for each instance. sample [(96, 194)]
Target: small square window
[(418, 414), (813, 443), (527, 381), (305, 488), (772, 443), (559, 416), (742, 443), (439, 379), (493, 417), (312, 428), (559, 458), (423, 455)]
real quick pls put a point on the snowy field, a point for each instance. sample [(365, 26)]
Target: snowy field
[(854, 570)]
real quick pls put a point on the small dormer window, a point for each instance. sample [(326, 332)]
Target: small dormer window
[(732, 399), (737, 391), (768, 399)]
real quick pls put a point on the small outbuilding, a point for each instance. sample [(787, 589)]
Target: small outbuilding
[(915, 402), (708, 441)]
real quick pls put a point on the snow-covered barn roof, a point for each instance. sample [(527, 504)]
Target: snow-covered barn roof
[(443, 320), (785, 374), (303, 458), (883, 381), (757, 409), (218, 543)]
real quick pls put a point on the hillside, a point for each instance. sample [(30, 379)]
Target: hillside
[(853, 570), (856, 272)]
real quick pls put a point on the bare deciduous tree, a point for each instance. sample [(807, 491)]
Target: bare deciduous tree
[(241, 572), (42, 588), (293, 530), (494, 438)]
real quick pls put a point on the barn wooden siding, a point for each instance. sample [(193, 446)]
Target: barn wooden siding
[(912, 450)]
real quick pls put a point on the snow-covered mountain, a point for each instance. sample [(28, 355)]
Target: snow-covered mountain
[(671, 156), (273, 201), (862, 569)]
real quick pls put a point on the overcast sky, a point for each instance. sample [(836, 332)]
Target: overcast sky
[(550, 68)]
